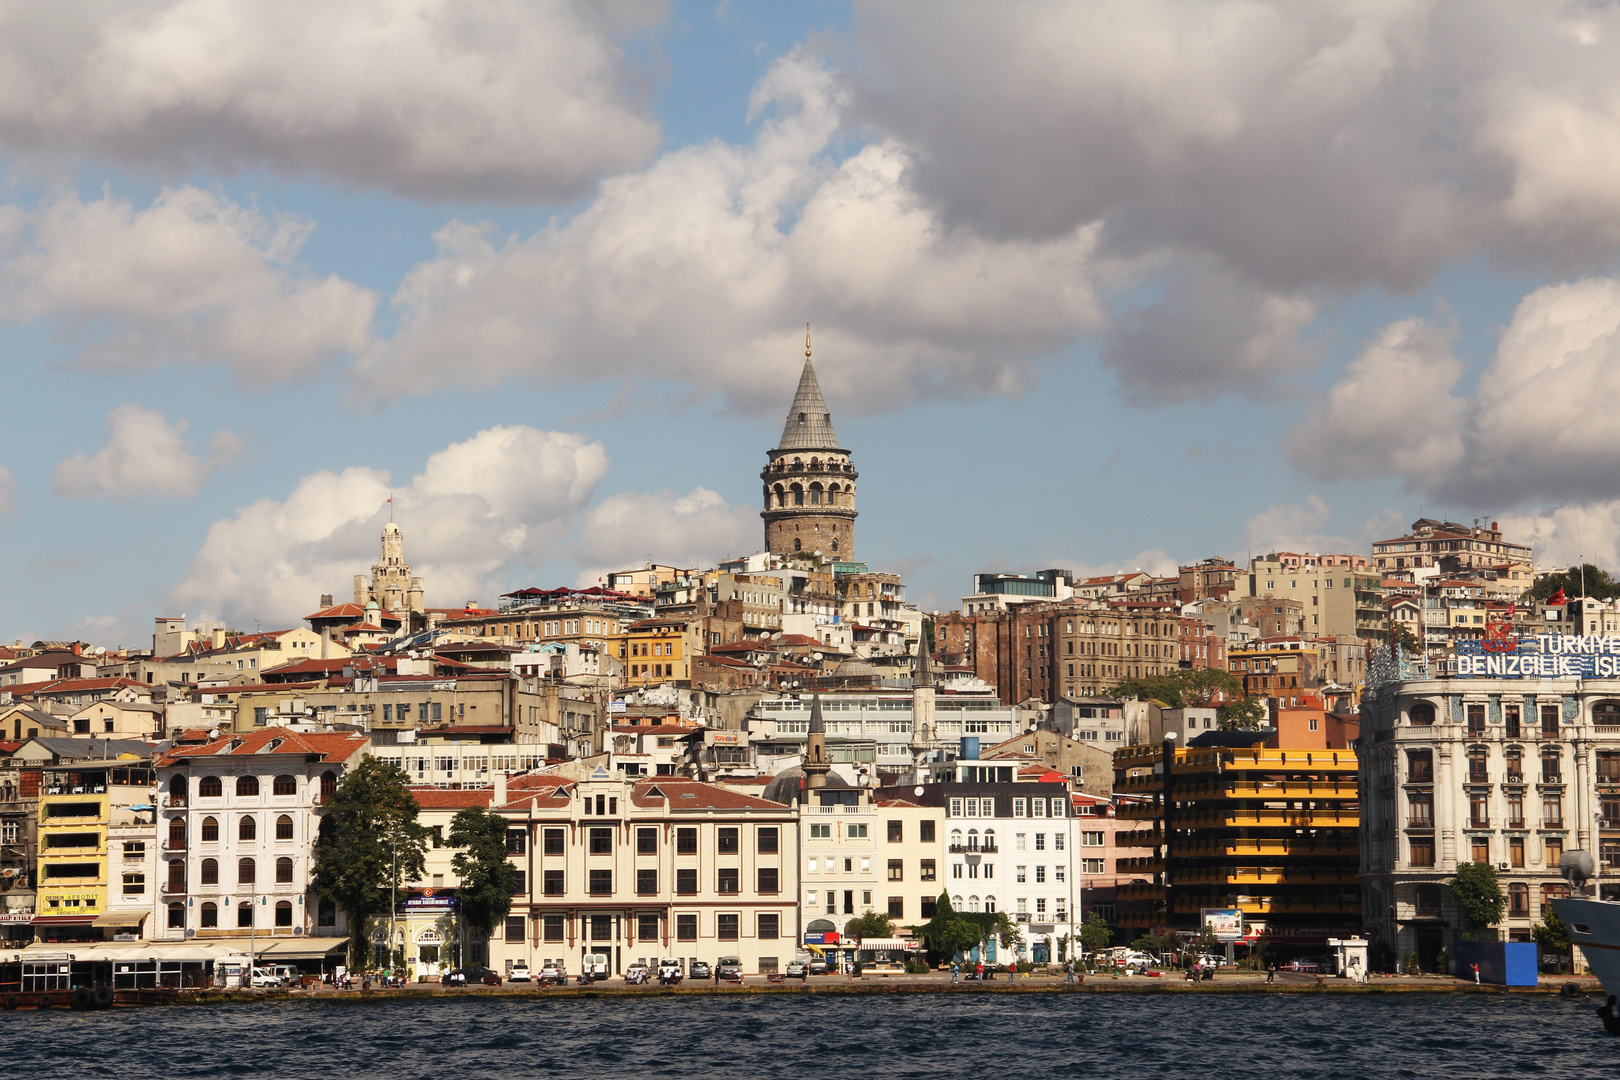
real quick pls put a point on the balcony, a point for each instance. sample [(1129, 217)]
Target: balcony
[(172, 888), (1515, 823), (974, 849), (1478, 778), (1479, 823), (1513, 778), (1420, 822)]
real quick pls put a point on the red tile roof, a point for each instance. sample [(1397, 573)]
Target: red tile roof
[(432, 798), (692, 795), (329, 746)]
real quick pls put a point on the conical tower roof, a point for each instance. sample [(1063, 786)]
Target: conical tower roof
[(923, 671), (809, 423)]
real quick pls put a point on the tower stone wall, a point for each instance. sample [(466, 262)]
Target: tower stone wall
[(809, 480)]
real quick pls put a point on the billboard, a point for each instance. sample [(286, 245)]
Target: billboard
[(1226, 922)]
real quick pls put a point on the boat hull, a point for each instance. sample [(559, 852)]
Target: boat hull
[(1594, 926)]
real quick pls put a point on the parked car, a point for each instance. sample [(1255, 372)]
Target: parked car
[(818, 966), (552, 975), (267, 978), (595, 965), (700, 970), (669, 963), (520, 972), (730, 969), (477, 973), (636, 973), (798, 969)]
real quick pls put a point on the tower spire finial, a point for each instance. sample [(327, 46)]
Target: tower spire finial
[(807, 341)]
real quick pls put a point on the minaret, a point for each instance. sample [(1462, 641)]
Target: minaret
[(815, 748), (922, 710), (809, 480)]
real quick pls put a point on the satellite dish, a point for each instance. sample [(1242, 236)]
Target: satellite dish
[(917, 790), (213, 733), (816, 657)]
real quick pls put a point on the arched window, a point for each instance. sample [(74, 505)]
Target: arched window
[(328, 784), (956, 839), (247, 828), (247, 786), (284, 827), (1422, 714), (835, 548), (244, 915), (177, 833), (209, 787), (210, 871), (177, 875), (1606, 712), (990, 904), (177, 916), (1519, 900), (795, 543), (246, 872), (973, 840), (1427, 900), (177, 786), (989, 840), (210, 916), (956, 902), (286, 784), (973, 903), (815, 494), (210, 830), (284, 871), (798, 495), (283, 913), (781, 495)]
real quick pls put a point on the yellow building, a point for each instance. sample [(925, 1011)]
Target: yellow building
[(661, 650), (79, 801)]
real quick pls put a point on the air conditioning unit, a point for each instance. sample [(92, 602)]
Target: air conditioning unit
[(1502, 866)]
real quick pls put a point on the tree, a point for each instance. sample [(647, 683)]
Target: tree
[(369, 842), (1183, 688), (1551, 933), (1150, 944), (1094, 933), (488, 880), (1478, 894), (874, 925), (1599, 584), (947, 933), (1410, 645), (1244, 714)]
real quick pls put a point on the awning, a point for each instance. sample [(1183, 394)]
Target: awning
[(304, 949), (887, 944), (62, 920), (120, 918), (817, 949)]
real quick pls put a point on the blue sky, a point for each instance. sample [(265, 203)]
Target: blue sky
[(1096, 288)]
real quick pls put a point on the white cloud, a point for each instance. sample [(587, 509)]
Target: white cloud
[(1568, 535), (1391, 411), (193, 277), (501, 99), (503, 499), (1307, 526), (705, 267), (1535, 428), (696, 529), (8, 493), (1155, 561), (145, 454)]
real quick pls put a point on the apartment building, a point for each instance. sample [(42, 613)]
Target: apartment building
[(88, 789), (1338, 594), (645, 869), (1467, 547), (237, 824), (1508, 771)]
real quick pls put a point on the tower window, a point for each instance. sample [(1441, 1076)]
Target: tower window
[(795, 543), (803, 417)]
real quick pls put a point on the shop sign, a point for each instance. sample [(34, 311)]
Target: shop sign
[(1539, 656), (1227, 923)]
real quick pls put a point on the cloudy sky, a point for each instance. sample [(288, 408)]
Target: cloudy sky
[(1097, 285)]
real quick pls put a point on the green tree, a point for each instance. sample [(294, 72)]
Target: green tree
[(1599, 584), (1410, 645), (1183, 688), (1551, 933), (947, 933), (873, 925), (1242, 714), (369, 842), (1478, 894), (1094, 934), (488, 880), (1150, 943)]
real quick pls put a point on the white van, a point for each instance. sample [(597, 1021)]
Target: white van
[(594, 965)]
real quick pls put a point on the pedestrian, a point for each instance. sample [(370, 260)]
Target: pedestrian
[(717, 974), (1012, 971), (1476, 974), (955, 970), (978, 972), (1271, 972), (1069, 972)]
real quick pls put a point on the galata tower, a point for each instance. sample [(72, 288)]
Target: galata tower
[(809, 481)]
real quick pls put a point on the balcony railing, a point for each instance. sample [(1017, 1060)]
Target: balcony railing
[(1417, 821), (1513, 778), (974, 849)]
